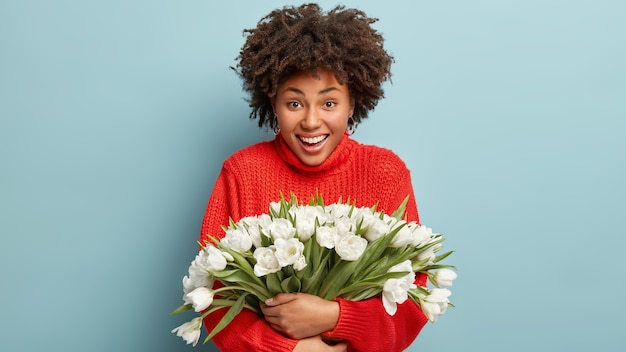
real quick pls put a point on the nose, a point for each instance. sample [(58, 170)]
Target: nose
[(311, 119)]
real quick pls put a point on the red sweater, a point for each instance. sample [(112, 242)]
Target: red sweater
[(254, 176)]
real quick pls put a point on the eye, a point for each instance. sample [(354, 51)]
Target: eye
[(329, 104), (293, 105)]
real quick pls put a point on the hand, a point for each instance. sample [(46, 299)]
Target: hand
[(300, 315), (316, 344)]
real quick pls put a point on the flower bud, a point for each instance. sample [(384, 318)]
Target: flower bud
[(444, 277)]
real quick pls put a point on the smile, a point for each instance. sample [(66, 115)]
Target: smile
[(313, 140)]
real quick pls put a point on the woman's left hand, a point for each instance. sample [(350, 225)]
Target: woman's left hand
[(300, 315)]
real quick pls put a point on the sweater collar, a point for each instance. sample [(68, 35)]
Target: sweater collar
[(335, 161)]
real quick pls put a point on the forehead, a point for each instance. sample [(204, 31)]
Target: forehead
[(320, 81)]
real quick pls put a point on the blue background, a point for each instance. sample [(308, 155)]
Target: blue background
[(115, 117)]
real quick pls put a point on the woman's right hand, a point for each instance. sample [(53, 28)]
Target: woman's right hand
[(316, 344)]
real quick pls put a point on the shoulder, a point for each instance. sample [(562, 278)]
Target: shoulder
[(261, 149), (257, 154), (379, 158)]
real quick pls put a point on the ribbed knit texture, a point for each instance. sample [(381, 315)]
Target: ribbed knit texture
[(255, 176)]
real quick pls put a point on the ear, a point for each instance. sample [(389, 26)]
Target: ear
[(351, 107)]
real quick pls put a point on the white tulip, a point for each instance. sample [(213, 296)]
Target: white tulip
[(429, 254), (404, 236), (325, 236), (288, 251), (201, 298), (345, 225), (264, 220), (213, 259), (394, 291), (305, 221), (252, 227), (275, 206), (199, 276), (364, 217), (300, 263), (350, 247), (281, 228), (305, 227), (431, 310), (422, 235), (376, 230), (305, 224), (436, 303), (405, 266), (237, 239), (338, 210), (190, 331), (190, 285), (444, 277), (266, 261)]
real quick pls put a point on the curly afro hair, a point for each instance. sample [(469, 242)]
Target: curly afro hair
[(305, 38)]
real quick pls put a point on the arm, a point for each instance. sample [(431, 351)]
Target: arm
[(365, 324), (300, 315), (368, 327), (248, 331), (316, 344)]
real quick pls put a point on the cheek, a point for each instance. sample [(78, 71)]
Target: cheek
[(339, 122), (286, 118)]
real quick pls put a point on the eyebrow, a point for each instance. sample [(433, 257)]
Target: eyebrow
[(323, 91)]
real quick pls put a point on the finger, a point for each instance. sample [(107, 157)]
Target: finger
[(272, 320), (343, 347), (270, 312), (277, 327), (281, 298)]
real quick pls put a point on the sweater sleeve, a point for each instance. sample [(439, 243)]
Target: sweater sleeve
[(247, 331), (365, 324)]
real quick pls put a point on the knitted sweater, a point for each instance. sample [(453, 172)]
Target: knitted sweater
[(255, 176)]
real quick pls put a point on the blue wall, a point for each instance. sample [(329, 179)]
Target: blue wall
[(115, 117)]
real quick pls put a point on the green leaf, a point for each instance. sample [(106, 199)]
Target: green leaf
[(224, 274), (265, 240), (386, 276), (311, 284), (367, 293), (359, 289), (399, 213), (439, 266), (442, 256), (311, 253), (291, 284), (419, 265), (242, 263), (337, 278), (182, 308), (374, 268), (418, 292), (319, 200), (228, 317), (273, 284)]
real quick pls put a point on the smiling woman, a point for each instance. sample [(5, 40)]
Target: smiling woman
[(313, 76)]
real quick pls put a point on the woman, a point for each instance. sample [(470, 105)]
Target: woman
[(313, 76)]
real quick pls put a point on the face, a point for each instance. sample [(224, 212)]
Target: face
[(313, 114)]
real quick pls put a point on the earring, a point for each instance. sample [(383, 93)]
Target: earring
[(351, 126), (275, 123)]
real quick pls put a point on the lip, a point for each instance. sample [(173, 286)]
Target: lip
[(312, 148)]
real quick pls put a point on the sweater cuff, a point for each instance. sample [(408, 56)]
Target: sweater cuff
[(351, 321)]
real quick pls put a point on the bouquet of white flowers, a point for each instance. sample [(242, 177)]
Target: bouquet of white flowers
[(330, 251)]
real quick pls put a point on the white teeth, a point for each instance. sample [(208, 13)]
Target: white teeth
[(313, 140)]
